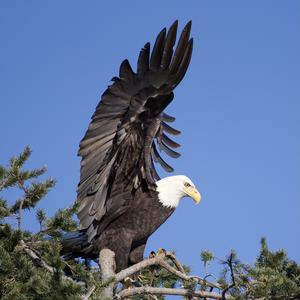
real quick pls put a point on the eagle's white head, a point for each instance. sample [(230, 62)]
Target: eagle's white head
[(173, 188)]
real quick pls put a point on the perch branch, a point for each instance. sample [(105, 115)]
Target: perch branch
[(167, 291), (159, 260), (138, 267)]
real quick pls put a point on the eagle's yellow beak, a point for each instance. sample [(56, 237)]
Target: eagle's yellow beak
[(194, 194)]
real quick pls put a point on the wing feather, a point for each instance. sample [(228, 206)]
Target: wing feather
[(167, 128), (169, 44), (158, 158), (157, 51), (126, 71), (167, 118), (169, 141), (167, 150), (119, 148), (182, 44), (143, 60), (184, 62)]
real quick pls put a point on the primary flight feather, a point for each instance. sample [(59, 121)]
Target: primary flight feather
[(121, 199)]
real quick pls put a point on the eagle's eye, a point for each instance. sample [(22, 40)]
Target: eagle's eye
[(186, 184)]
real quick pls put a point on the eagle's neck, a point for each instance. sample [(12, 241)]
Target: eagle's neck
[(169, 192)]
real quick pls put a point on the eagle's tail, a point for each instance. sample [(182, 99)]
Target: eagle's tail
[(75, 244)]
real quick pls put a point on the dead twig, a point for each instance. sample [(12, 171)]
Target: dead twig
[(89, 293)]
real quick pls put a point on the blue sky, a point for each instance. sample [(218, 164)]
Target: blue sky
[(238, 108)]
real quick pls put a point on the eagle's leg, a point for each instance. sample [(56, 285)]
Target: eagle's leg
[(120, 243), (137, 255), (137, 252), (122, 250)]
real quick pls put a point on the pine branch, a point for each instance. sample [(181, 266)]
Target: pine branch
[(19, 217), (41, 217), (4, 209), (230, 264), (41, 263), (38, 261), (21, 159)]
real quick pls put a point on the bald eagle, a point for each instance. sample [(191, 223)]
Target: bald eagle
[(121, 199)]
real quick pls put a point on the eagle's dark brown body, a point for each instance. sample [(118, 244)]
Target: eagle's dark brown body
[(119, 207), (128, 234)]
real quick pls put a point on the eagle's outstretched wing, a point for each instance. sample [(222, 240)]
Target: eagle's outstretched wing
[(129, 124)]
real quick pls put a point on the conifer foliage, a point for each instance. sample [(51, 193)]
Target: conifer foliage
[(31, 266), (21, 275)]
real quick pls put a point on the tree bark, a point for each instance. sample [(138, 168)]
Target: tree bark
[(108, 267)]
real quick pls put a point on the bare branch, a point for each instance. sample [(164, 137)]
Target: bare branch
[(167, 291), (159, 260), (172, 270), (138, 267), (175, 261), (203, 281)]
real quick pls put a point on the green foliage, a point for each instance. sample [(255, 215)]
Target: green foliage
[(41, 217), (273, 276), (63, 220), (15, 177), (33, 194), (206, 256), (4, 209)]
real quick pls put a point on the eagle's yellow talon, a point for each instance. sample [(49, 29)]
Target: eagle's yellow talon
[(127, 282), (161, 251)]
